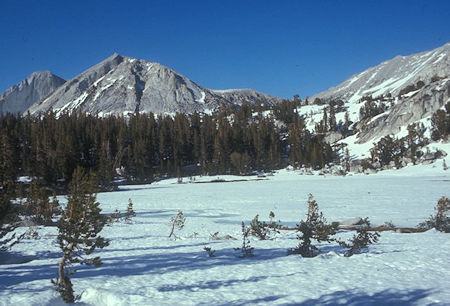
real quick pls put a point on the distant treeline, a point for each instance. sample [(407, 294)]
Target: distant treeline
[(141, 147)]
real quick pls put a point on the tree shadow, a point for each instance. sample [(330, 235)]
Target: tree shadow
[(160, 263), (264, 300), (27, 273), (133, 265), (354, 298), (216, 284), (164, 247), (210, 284), (14, 258)]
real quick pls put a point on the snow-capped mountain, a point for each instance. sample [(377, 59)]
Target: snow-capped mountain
[(120, 85), (35, 87), (408, 88)]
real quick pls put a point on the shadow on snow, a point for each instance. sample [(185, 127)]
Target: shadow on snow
[(385, 297)]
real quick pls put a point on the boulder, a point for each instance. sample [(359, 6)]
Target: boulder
[(349, 223)]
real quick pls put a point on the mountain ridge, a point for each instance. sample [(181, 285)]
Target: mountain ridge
[(121, 85)]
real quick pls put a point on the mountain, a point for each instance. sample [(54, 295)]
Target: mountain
[(400, 91), (238, 96), (393, 75), (120, 85), (34, 88)]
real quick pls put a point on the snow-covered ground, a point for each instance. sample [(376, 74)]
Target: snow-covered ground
[(142, 266)]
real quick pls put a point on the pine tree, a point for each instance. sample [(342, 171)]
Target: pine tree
[(130, 211), (332, 118), (78, 227), (314, 227), (441, 220), (361, 239), (177, 222), (7, 218), (347, 160), (246, 249), (39, 206)]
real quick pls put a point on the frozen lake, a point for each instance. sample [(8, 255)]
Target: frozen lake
[(142, 266)]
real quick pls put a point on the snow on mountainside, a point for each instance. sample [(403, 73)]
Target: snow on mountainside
[(393, 75), (121, 85), (409, 88), (36, 86)]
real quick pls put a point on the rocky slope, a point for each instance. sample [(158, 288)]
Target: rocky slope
[(121, 85), (34, 88), (393, 75), (407, 89)]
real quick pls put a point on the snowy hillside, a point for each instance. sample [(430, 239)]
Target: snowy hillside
[(143, 266), (402, 91), (393, 75)]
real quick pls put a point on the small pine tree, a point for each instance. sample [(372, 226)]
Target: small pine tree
[(246, 249), (130, 212), (8, 216), (78, 227), (259, 229), (271, 216), (440, 221), (177, 222), (209, 251), (347, 160), (361, 240), (315, 227), (39, 206)]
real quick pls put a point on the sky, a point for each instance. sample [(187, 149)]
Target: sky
[(280, 47)]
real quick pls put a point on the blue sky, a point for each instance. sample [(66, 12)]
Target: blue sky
[(278, 47)]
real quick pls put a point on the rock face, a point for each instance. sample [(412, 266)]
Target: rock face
[(35, 87), (122, 85), (418, 107)]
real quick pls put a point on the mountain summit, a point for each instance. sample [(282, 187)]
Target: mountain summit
[(35, 87), (121, 85)]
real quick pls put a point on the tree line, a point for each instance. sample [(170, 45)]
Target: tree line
[(141, 147)]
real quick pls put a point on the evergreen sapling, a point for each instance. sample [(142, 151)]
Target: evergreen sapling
[(246, 249), (361, 240), (130, 212), (177, 222), (441, 220), (78, 228), (315, 227)]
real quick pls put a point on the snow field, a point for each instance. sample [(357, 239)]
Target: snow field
[(142, 266)]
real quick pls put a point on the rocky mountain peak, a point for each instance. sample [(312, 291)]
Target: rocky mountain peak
[(35, 87), (121, 85)]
